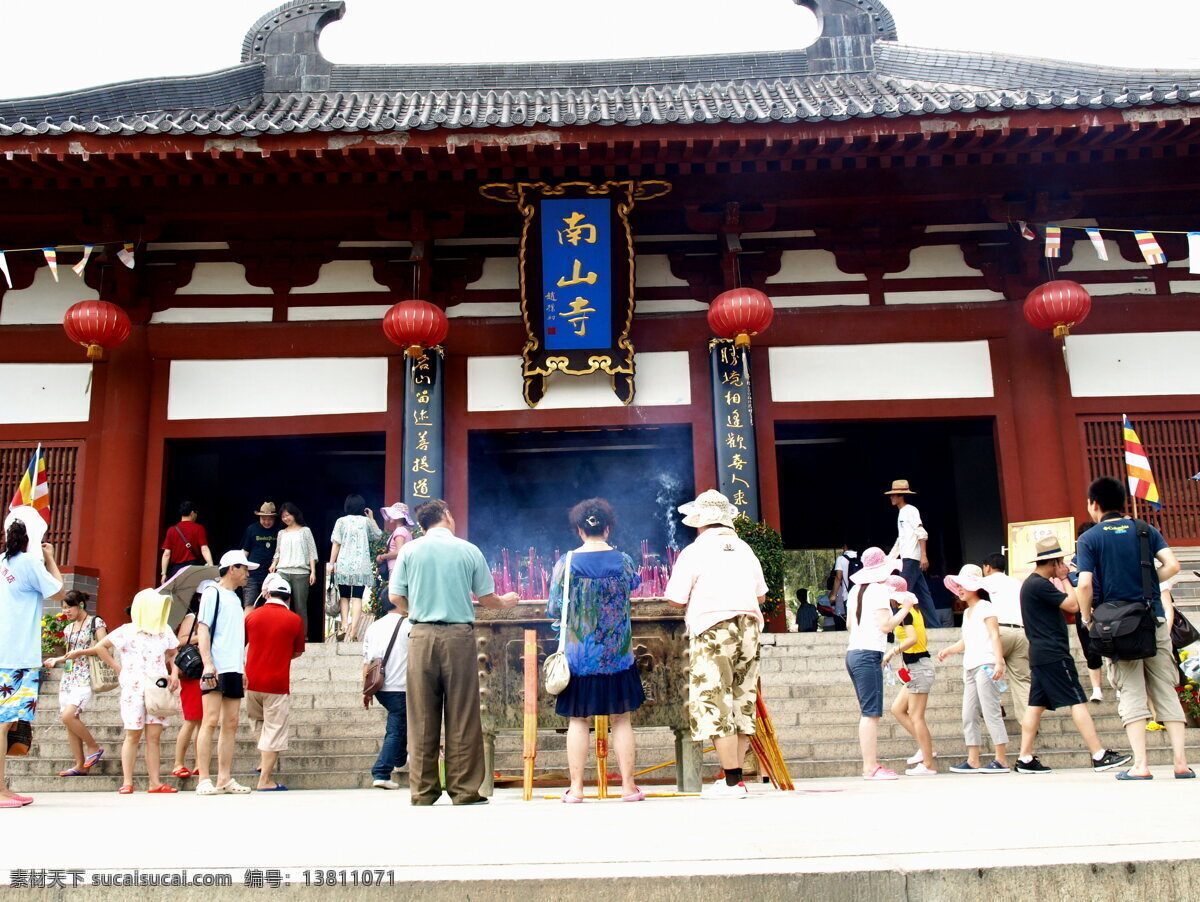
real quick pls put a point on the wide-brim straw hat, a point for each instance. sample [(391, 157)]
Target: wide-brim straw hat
[(1048, 548), (876, 567), (900, 487), (266, 509), (710, 508), (968, 579)]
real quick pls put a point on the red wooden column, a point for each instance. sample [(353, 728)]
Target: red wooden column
[(112, 510)]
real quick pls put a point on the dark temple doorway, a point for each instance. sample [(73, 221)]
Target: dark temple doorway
[(228, 478)]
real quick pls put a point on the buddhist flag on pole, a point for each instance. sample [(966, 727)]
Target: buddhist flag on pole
[(78, 267), (33, 489), (1141, 480), (1053, 241), (1194, 253), (1026, 232), (51, 256), (4, 269), (1149, 248), (1098, 243), (125, 254)]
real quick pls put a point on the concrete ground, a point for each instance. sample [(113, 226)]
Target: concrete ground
[(1072, 834)]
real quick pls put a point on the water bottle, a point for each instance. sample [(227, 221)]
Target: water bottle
[(889, 677), (1001, 685)]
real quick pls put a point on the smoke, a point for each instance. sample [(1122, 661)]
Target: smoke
[(670, 487)]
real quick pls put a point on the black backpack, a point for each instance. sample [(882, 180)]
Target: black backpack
[(1124, 630), (854, 564)]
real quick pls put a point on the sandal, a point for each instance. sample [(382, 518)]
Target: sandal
[(90, 761), (125, 790), (11, 803), (162, 788), (636, 796), (182, 773), (73, 772), (1126, 775), (1188, 774), (233, 787), (570, 799)]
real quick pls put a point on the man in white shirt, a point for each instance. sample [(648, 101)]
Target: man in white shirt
[(387, 639), (910, 548), (1005, 594), (844, 567), (221, 639), (720, 582)]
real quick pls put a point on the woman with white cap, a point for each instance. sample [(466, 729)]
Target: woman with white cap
[(983, 670), (28, 577), (147, 646), (869, 618)]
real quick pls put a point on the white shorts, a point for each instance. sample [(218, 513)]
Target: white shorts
[(133, 709), (79, 696)]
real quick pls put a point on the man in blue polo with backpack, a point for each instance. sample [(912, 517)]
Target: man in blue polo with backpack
[(1123, 609)]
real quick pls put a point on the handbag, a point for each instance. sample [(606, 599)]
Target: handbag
[(1124, 630), (103, 677), (333, 598), (188, 660), (556, 672), (373, 678), (160, 700), (1183, 633)]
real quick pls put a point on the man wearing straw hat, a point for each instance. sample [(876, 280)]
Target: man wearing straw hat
[(911, 539), (1054, 679), (720, 581)]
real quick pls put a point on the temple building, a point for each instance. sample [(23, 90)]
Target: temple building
[(894, 203)]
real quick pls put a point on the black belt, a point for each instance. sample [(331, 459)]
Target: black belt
[(1014, 626)]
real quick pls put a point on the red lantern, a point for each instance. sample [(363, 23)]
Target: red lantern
[(415, 325), (740, 314), (97, 326), (1057, 306)]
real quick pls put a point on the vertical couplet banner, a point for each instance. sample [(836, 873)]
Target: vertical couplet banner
[(423, 434), (733, 419)]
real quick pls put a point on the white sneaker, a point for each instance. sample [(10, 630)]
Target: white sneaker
[(386, 784), (1097, 696), (920, 771), (719, 790), (917, 757)]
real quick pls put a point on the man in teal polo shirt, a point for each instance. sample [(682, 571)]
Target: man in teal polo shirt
[(433, 580)]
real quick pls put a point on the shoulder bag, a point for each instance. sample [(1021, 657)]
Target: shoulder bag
[(373, 680), (187, 659), (1124, 630), (188, 546), (103, 677), (555, 670)]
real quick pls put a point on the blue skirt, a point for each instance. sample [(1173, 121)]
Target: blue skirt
[(601, 694)]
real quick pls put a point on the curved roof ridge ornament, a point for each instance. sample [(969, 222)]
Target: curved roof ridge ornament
[(848, 32), (286, 40)]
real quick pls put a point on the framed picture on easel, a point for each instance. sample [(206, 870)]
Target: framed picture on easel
[(1023, 537)]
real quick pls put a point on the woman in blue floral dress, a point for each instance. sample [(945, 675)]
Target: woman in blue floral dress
[(599, 644)]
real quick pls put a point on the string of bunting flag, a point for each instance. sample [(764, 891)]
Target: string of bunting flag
[(1152, 252), (50, 255)]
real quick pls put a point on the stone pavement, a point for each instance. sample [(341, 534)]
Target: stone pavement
[(945, 837)]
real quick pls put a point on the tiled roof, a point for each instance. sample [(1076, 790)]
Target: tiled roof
[(812, 85)]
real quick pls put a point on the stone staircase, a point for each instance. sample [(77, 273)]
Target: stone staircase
[(335, 741)]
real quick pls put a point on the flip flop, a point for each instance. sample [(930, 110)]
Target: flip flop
[(73, 772), (90, 761), (570, 799), (125, 790), (1188, 774), (1126, 775), (636, 796), (182, 773), (163, 788), (24, 800), (278, 787), (11, 803)]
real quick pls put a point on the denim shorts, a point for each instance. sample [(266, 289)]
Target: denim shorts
[(866, 672)]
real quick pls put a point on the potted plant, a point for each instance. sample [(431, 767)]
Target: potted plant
[(767, 545), (53, 635)]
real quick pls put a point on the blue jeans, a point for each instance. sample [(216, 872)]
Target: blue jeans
[(866, 673), (916, 584), (394, 752)]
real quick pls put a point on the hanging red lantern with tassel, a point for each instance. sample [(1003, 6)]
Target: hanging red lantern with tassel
[(740, 314), (415, 326), (97, 326), (1058, 306)]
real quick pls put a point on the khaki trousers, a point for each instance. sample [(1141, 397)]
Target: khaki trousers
[(443, 685), (1015, 646), (1148, 680)]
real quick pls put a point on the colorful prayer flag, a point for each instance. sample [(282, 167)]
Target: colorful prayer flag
[(51, 256), (1141, 480), (1149, 248), (33, 489), (1053, 241), (1026, 232), (1194, 253), (78, 267), (125, 254), (4, 269), (1098, 243)]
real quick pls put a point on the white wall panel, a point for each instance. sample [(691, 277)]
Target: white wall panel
[(654, 271), (45, 392), (495, 383), (933, 261), (881, 372), (341, 277), (1134, 363), (220, 278), (213, 315), (302, 386), (45, 301), (348, 311), (811, 266), (498, 272)]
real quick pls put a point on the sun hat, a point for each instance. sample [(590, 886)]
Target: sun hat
[(1048, 548), (266, 509), (710, 508), (235, 557), (900, 487), (399, 513), (968, 579), (876, 567), (35, 526), (276, 583), (150, 611), (897, 582)]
